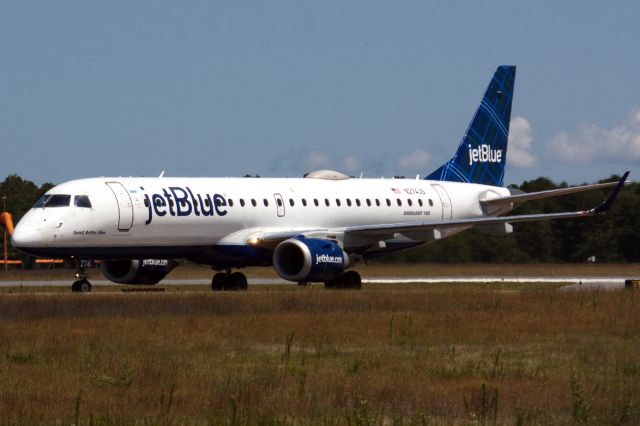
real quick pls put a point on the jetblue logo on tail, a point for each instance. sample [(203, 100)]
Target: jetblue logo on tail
[(484, 154)]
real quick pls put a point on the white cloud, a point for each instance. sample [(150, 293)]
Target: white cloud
[(316, 160), (520, 142), (590, 142), (416, 161), (351, 164)]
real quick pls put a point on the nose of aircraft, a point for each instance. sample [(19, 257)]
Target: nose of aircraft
[(25, 236)]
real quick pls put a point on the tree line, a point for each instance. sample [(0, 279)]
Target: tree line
[(613, 237)]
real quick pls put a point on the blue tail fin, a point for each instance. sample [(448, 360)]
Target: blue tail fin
[(482, 154)]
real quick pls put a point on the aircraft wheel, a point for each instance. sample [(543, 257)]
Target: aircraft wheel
[(218, 281), (81, 286), (236, 281), (329, 285), (351, 280)]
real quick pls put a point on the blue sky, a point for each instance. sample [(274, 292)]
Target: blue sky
[(206, 88)]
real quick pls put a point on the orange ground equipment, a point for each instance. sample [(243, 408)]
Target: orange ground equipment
[(7, 221)]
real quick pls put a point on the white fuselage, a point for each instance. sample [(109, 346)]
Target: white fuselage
[(167, 215)]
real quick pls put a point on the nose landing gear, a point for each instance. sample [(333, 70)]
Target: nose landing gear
[(82, 285)]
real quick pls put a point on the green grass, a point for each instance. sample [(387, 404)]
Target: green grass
[(401, 354)]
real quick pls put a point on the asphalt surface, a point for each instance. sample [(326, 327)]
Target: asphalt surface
[(572, 283)]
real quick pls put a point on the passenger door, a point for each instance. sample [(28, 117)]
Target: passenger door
[(125, 206), (445, 201)]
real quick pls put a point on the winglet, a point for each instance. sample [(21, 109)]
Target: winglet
[(606, 205)]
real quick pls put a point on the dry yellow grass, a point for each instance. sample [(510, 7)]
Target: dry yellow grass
[(412, 354)]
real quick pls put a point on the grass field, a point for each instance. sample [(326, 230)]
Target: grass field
[(401, 354)]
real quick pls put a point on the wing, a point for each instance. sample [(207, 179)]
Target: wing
[(521, 198), (270, 238), (387, 229)]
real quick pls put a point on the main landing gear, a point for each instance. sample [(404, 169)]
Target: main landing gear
[(82, 285), (229, 281), (350, 280)]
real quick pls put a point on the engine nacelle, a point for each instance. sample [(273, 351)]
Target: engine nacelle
[(309, 260), (137, 271)]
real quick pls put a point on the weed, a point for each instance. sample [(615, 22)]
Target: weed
[(580, 405), (275, 356)]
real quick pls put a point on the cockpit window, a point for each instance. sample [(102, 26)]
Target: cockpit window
[(81, 201), (41, 201), (49, 200), (58, 201)]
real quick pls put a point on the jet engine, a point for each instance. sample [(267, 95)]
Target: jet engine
[(137, 271), (309, 260)]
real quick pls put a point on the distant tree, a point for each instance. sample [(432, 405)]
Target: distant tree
[(21, 194)]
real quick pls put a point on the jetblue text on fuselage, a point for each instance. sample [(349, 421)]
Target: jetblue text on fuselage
[(484, 154), (177, 201)]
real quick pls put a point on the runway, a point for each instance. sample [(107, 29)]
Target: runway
[(572, 283)]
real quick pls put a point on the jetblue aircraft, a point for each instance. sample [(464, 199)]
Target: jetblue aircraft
[(309, 229)]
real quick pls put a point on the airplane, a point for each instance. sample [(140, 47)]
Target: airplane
[(310, 229)]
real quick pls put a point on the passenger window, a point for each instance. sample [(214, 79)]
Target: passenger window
[(409, 202), (291, 203), (83, 201), (241, 202), (253, 202), (230, 201), (326, 202), (207, 202), (279, 202), (368, 202), (399, 201), (146, 202), (315, 201), (420, 201), (349, 202), (218, 202), (304, 202), (58, 201), (377, 203), (266, 203), (430, 202), (358, 202), (338, 202), (388, 202)]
